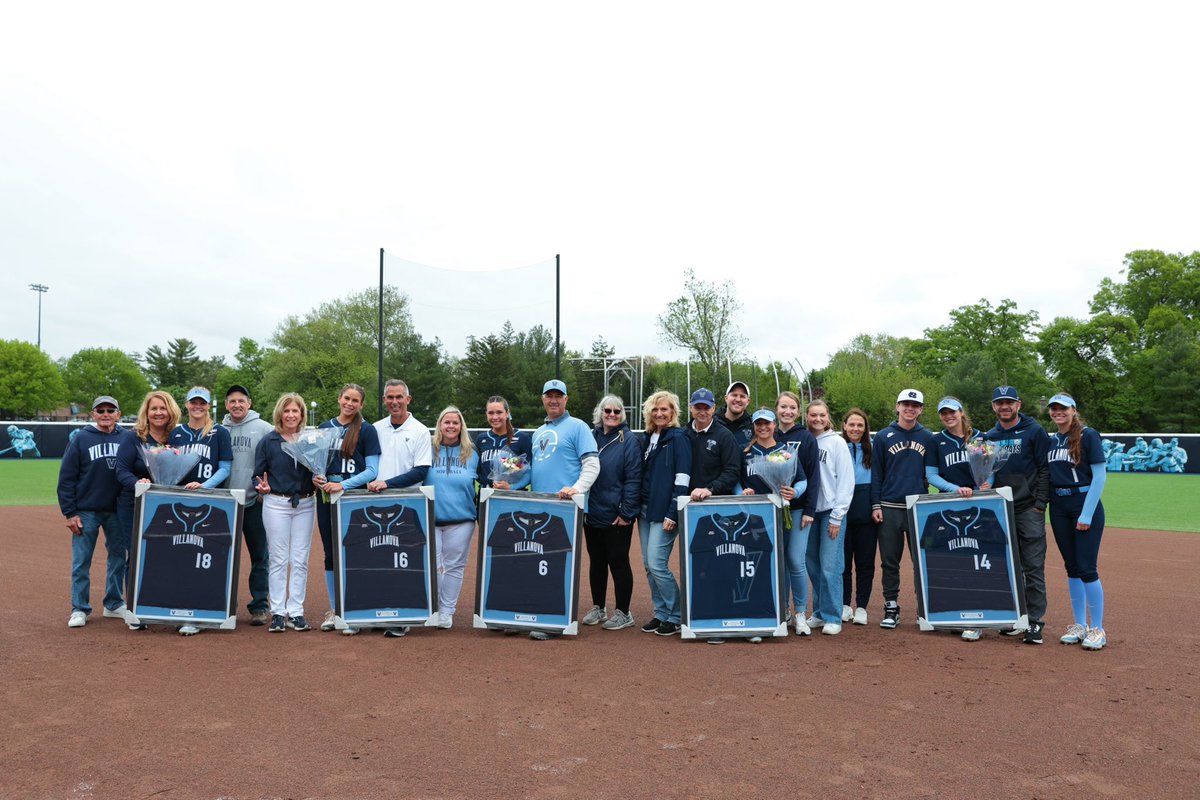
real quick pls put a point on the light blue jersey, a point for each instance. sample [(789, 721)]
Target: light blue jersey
[(559, 447), (454, 484)]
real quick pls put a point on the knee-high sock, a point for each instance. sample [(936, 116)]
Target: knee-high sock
[(329, 586), (1078, 601), (1095, 601)]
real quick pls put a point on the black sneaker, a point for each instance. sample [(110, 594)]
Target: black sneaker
[(891, 616), (298, 623), (652, 626), (1034, 634), (397, 632), (667, 629), (278, 625)]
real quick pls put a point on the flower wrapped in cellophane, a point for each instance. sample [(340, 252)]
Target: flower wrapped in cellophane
[(312, 448), (509, 467), (168, 465), (984, 458), (777, 469)]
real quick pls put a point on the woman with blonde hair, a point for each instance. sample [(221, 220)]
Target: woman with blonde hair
[(452, 474), (200, 435), (826, 550), (666, 473), (613, 505), (288, 510)]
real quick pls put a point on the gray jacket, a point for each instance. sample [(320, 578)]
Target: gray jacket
[(245, 436)]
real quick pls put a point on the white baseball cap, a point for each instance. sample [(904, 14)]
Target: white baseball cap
[(911, 396)]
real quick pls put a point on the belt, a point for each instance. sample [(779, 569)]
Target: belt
[(1070, 490), (293, 494)]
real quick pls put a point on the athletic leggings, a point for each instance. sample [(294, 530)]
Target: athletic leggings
[(608, 549), (1080, 549), (861, 537)]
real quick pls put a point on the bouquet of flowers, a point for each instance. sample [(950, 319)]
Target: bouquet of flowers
[(777, 469), (167, 465), (312, 448), (509, 467), (984, 458)]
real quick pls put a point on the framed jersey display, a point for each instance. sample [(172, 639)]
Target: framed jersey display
[(731, 567), (968, 569), (184, 556), (530, 553), (385, 558)]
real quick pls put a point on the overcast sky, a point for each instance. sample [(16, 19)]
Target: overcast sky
[(204, 170)]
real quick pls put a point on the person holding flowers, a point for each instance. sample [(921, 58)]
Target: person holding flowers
[(1077, 475), (613, 505), (353, 462), (200, 435), (502, 441), (286, 488), (825, 555)]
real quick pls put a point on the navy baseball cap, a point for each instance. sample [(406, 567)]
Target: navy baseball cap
[(199, 392), (703, 397), (763, 413), (949, 402), (1005, 393), (911, 396), (237, 387), (554, 386), (1061, 400), (104, 398)]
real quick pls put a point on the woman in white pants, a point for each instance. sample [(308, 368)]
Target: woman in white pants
[(453, 473), (288, 512)]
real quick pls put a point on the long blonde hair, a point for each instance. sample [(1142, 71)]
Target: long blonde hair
[(142, 426), (208, 418), (671, 399), (466, 446)]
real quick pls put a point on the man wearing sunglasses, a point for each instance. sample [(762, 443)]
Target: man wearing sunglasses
[(87, 495)]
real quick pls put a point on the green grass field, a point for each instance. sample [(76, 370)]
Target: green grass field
[(1154, 502)]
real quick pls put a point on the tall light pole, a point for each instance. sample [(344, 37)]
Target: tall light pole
[(41, 289)]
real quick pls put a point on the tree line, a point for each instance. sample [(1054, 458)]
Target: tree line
[(1132, 364)]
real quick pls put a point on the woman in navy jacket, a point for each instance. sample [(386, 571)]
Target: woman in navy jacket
[(613, 504), (666, 474)]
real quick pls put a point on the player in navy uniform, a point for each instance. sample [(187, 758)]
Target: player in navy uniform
[(211, 442), (455, 466), (952, 473), (88, 493), (501, 436), (862, 537), (354, 463), (286, 489), (529, 561), (1028, 474), (730, 560), (900, 454), (1077, 475), (966, 561)]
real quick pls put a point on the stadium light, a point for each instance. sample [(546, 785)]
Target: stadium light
[(41, 289)]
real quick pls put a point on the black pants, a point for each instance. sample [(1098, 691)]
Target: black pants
[(325, 527), (862, 542), (256, 545), (608, 549)]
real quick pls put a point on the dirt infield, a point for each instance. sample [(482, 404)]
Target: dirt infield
[(103, 712)]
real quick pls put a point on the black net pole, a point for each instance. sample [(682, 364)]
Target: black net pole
[(379, 395)]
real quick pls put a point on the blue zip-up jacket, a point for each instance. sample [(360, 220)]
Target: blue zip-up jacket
[(617, 491), (1027, 470), (898, 462), (285, 474), (666, 474), (801, 442), (488, 444), (860, 506), (87, 477), (454, 485)]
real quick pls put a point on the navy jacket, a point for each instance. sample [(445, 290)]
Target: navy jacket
[(87, 477), (716, 459), (285, 474), (666, 474), (1027, 470), (618, 489), (898, 462)]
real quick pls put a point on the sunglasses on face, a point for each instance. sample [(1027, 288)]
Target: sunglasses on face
[(105, 410), (615, 412)]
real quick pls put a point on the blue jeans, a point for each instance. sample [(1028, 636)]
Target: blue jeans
[(826, 560), (82, 547), (795, 547), (656, 552)]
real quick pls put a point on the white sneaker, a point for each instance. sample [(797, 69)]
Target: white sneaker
[(971, 635), (847, 613), (115, 613), (351, 631), (802, 627), (595, 616), (860, 616), (78, 619), (831, 629), (815, 622), (445, 621), (755, 640), (327, 624), (1095, 639), (1075, 634), (188, 630)]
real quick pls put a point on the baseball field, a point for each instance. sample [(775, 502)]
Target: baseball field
[(104, 712)]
